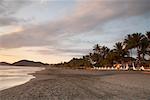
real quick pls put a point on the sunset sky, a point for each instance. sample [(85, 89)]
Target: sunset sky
[(52, 31)]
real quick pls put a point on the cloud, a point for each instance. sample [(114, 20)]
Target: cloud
[(8, 8), (4, 21), (58, 51), (86, 16)]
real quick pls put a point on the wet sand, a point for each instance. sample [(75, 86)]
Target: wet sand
[(68, 84)]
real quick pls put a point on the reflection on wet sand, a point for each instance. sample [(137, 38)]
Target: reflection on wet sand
[(11, 75)]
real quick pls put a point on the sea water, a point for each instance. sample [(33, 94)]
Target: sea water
[(15, 75)]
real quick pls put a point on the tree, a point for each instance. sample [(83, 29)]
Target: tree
[(112, 57), (144, 47), (120, 51), (104, 51), (99, 55), (129, 45), (134, 41), (148, 35), (96, 49)]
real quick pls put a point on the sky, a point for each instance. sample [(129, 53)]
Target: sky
[(54, 31)]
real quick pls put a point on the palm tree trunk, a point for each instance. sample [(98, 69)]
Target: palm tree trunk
[(131, 53), (138, 53), (143, 56)]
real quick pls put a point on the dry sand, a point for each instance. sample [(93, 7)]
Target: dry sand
[(67, 84)]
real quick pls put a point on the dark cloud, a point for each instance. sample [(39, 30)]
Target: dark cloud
[(16, 40)]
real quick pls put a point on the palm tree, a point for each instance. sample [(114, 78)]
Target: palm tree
[(128, 41), (104, 51), (96, 55), (144, 47), (111, 57), (129, 45), (120, 50), (134, 41), (148, 35), (96, 49)]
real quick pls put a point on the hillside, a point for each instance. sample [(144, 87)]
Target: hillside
[(28, 63), (4, 63)]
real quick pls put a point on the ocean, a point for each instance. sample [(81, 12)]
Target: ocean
[(15, 75)]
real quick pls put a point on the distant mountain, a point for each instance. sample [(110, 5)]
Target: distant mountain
[(4, 63), (28, 63)]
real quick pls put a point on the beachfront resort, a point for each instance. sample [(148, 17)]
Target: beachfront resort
[(74, 49)]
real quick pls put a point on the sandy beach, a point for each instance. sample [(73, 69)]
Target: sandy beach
[(69, 84)]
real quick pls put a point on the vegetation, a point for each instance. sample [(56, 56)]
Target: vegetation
[(80, 63), (121, 53)]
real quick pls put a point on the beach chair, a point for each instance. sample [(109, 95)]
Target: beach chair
[(142, 68), (94, 67), (127, 67), (112, 68), (99, 68), (133, 66)]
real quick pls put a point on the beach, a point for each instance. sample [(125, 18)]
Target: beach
[(11, 76), (74, 84)]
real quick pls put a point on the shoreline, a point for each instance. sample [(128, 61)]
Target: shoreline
[(17, 78), (60, 83)]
